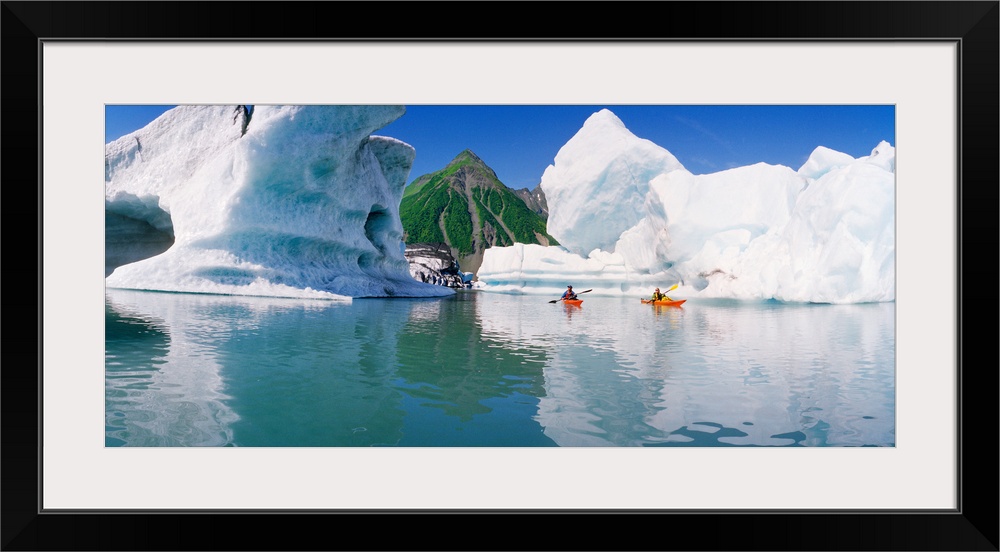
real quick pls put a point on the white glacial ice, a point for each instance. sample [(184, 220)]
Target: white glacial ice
[(286, 201), (629, 217)]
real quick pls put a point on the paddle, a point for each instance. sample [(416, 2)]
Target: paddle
[(560, 299)]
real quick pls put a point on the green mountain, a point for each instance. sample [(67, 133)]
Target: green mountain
[(465, 206)]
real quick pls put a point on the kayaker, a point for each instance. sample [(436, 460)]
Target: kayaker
[(568, 295), (657, 296)]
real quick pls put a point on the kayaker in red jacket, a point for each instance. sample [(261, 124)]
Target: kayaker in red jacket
[(568, 294)]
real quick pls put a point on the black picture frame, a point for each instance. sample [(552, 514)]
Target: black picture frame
[(973, 525)]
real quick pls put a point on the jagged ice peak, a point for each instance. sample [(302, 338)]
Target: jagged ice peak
[(630, 217)]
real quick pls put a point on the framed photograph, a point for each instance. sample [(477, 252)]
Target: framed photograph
[(931, 486)]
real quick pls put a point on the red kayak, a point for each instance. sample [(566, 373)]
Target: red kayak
[(662, 303), (574, 302)]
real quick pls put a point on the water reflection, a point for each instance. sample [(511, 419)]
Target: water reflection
[(484, 369), (161, 388), (450, 365), (286, 372), (723, 373)]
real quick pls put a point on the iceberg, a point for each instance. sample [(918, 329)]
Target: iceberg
[(629, 217), (280, 201)]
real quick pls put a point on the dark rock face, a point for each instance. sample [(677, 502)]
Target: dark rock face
[(432, 263), (535, 200)]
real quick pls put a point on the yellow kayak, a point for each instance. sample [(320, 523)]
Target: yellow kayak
[(665, 303)]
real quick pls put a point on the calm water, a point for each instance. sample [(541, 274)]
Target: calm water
[(491, 370)]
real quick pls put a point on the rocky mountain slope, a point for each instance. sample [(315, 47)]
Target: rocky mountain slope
[(535, 200), (465, 206)]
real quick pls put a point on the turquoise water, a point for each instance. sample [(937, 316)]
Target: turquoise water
[(494, 370)]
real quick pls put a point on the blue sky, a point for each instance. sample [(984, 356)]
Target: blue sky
[(520, 141)]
